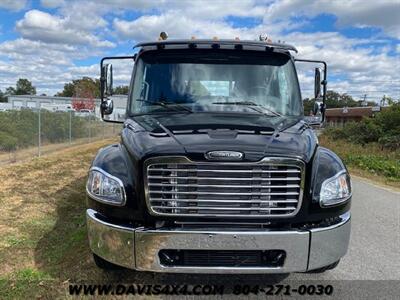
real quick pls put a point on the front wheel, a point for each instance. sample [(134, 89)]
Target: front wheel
[(105, 265), (326, 268)]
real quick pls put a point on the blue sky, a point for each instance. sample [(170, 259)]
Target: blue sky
[(52, 42)]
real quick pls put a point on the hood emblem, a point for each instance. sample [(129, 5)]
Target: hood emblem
[(224, 155)]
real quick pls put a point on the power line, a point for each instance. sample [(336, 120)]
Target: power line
[(360, 91)]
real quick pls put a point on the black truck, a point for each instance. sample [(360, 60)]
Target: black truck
[(217, 169)]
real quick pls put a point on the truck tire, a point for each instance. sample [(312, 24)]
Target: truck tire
[(105, 265), (326, 268)]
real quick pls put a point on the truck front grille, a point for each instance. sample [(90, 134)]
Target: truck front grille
[(177, 186)]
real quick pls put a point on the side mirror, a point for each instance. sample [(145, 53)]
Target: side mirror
[(107, 79), (107, 107), (317, 83), (106, 88), (317, 112)]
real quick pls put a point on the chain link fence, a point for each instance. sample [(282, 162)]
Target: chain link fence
[(28, 133)]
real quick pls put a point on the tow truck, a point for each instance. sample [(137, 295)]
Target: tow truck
[(217, 170)]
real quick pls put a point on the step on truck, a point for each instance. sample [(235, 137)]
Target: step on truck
[(217, 169)]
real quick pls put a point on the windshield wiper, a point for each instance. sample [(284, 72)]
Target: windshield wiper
[(250, 104), (166, 105)]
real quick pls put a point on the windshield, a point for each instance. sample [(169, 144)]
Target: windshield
[(215, 82)]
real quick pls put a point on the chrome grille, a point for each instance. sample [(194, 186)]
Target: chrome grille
[(177, 186)]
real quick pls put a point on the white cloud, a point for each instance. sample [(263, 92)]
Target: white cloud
[(206, 9), (52, 3), (351, 69), (42, 26), (148, 27), (13, 4), (84, 15), (358, 13), (52, 43), (48, 66)]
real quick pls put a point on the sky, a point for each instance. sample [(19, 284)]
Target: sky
[(52, 42)]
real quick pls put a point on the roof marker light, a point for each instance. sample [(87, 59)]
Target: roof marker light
[(163, 36), (264, 38)]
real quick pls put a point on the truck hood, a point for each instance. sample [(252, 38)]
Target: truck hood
[(193, 135)]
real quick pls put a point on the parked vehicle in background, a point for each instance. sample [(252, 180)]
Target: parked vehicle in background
[(84, 113), (216, 170), (56, 107)]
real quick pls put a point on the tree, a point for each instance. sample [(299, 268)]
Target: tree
[(121, 90), (308, 106), (83, 103), (335, 100), (386, 100), (72, 89), (24, 87), (68, 90), (84, 94), (10, 91), (3, 97)]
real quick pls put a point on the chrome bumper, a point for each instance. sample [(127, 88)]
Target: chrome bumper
[(137, 248)]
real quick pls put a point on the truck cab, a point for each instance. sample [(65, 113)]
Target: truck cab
[(217, 170)]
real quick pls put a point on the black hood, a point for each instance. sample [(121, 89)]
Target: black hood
[(195, 134)]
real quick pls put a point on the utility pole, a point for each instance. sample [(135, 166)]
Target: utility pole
[(383, 100), (90, 128)]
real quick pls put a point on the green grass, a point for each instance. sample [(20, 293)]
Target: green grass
[(24, 284), (20, 241), (369, 158), (43, 237), (19, 129)]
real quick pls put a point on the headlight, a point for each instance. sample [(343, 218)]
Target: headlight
[(335, 190), (104, 187)]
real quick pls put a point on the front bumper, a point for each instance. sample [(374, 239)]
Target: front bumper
[(137, 248)]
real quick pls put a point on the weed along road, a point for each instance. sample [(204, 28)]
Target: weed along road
[(44, 247)]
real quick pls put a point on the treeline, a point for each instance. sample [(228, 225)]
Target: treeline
[(338, 100), (383, 129), (22, 87), (19, 129), (85, 87)]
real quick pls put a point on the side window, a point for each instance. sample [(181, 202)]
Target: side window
[(144, 90)]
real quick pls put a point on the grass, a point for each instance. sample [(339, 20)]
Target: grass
[(43, 236), (369, 160), (30, 152), (46, 245), (20, 284)]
